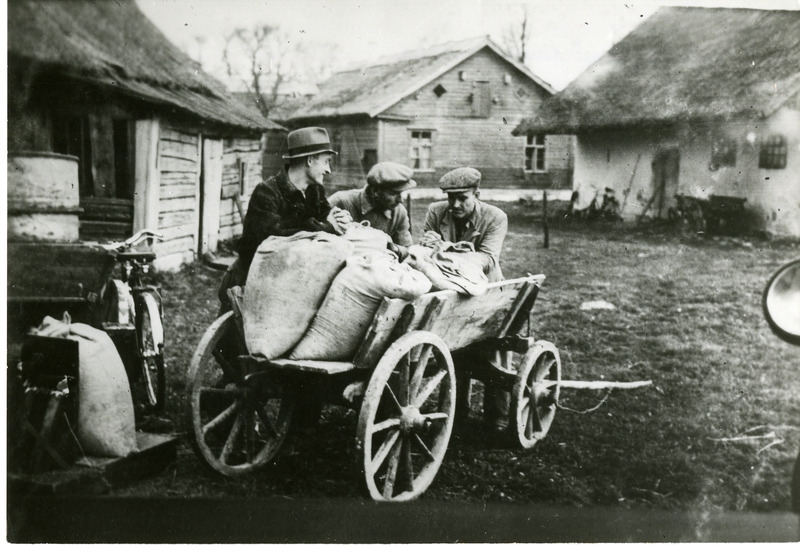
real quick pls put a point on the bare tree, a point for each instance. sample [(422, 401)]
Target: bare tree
[(267, 63), (517, 34)]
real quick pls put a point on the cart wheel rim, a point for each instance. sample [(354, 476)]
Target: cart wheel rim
[(535, 395), (235, 427), (406, 417)]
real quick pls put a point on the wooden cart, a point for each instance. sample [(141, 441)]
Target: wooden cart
[(402, 381)]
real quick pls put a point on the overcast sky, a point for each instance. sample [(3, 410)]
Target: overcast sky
[(567, 35)]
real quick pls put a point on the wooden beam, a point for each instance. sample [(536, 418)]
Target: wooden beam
[(146, 175)]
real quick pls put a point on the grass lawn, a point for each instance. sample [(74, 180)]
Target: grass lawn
[(719, 429)]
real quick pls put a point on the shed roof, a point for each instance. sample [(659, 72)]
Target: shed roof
[(114, 45), (683, 63), (373, 87)]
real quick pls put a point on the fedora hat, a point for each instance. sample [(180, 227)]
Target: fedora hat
[(308, 141)]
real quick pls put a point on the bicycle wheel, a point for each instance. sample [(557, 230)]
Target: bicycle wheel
[(151, 345)]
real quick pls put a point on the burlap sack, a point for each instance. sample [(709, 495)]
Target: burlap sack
[(106, 425), (352, 301), (365, 238), (286, 284)]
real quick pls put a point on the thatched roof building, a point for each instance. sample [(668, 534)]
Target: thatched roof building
[(113, 46), (683, 63)]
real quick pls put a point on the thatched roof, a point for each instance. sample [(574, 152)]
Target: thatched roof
[(112, 44), (683, 63), (375, 86)]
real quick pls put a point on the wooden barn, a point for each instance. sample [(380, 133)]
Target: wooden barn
[(702, 102), (159, 144), (435, 109)]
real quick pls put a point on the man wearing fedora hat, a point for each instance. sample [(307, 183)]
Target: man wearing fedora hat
[(288, 202), (380, 201), (463, 217)]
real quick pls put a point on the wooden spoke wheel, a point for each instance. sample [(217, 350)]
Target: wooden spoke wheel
[(406, 417), (236, 426), (535, 393)]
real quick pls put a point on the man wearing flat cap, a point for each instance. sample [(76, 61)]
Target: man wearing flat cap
[(289, 202), (380, 201), (465, 218)]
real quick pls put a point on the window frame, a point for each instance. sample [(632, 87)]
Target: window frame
[(537, 147), (773, 150), (412, 148)]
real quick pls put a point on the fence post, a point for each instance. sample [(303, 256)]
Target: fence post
[(544, 219)]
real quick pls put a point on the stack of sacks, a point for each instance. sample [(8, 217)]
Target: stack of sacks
[(365, 238), (286, 285), (106, 425), (352, 301), (449, 267)]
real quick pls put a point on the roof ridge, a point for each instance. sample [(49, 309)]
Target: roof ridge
[(418, 53)]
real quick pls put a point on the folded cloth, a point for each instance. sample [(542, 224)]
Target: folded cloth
[(448, 266), (458, 269)]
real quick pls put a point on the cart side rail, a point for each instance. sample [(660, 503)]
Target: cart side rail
[(459, 320)]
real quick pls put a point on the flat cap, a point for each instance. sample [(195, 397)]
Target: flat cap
[(392, 175), (460, 179)]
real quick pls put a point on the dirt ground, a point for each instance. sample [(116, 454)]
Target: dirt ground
[(718, 430)]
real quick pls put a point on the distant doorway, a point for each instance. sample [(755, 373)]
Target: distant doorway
[(666, 167)]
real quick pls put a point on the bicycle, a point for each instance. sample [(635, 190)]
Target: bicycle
[(133, 304), (688, 211), (605, 207)]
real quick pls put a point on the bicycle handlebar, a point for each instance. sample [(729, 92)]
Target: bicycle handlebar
[(144, 234)]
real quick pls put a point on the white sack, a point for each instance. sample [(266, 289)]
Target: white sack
[(352, 301), (106, 425), (286, 284), (366, 238)]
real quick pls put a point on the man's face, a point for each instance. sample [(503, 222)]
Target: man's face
[(385, 198), (318, 166), (462, 203)]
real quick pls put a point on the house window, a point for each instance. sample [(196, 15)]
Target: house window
[(773, 152), (439, 90), (723, 152), (481, 99), (421, 151), (534, 153)]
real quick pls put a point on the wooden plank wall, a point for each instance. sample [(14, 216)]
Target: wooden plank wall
[(484, 143), (179, 171), (246, 151)]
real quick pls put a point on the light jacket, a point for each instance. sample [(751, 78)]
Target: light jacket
[(486, 229)]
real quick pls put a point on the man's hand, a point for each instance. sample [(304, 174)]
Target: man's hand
[(339, 219), (430, 237), (398, 250), (342, 217)]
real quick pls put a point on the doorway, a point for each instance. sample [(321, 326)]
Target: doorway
[(666, 168)]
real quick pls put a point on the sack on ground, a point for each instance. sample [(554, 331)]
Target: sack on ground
[(106, 425), (366, 238), (351, 303), (286, 284)]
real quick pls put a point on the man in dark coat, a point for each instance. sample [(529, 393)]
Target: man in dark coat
[(287, 203)]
